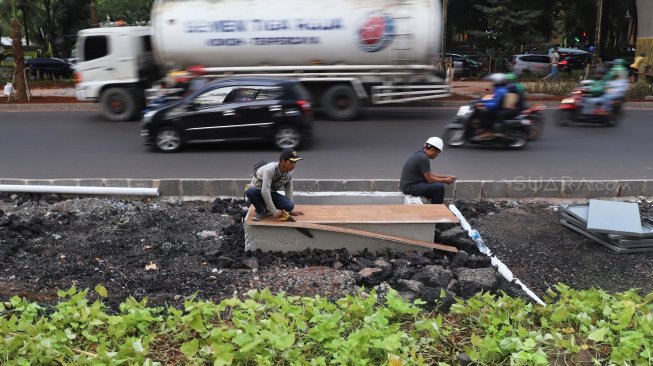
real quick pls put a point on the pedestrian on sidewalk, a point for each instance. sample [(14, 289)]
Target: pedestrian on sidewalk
[(634, 67), (553, 61), (268, 179), (417, 178)]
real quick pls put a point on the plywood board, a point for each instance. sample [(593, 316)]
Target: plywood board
[(370, 214), (349, 231), (613, 217)]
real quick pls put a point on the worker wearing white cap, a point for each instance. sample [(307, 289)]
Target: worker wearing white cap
[(417, 178)]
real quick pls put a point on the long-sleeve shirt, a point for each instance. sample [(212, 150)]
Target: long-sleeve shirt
[(269, 178)]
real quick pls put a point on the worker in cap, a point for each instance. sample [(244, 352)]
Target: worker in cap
[(268, 179), (417, 178)]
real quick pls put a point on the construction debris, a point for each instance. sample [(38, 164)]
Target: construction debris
[(615, 225)]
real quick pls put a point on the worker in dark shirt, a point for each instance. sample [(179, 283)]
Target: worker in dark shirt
[(417, 178)]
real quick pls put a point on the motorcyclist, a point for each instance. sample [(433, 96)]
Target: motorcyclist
[(514, 86), (612, 86), (490, 108)]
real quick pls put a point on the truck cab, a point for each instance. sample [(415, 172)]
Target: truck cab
[(114, 66)]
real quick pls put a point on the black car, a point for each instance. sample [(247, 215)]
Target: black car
[(45, 67), (233, 110)]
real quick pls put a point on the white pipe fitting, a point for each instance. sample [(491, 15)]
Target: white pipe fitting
[(12, 188)]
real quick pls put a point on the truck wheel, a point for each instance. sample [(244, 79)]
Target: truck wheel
[(340, 103), (118, 105), (287, 137), (168, 139)]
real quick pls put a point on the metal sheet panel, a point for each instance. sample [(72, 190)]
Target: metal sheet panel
[(612, 217)]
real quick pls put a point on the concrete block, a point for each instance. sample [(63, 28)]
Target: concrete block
[(202, 187), (522, 189), (39, 182), (468, 190), (604, 189), (142, 183), (449, 191), (305, 185), (385, 185), (549, 188), (590, 189), (66, 182), (115, 183), (330, 185), (90, 182), (575, 189), (358, 185), (170, 187), (494, 189), (647, 191), (631, 188), (13, 182), (286, 239), (222, 188)]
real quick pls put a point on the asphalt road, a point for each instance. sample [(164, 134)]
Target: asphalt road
[(66, 145)]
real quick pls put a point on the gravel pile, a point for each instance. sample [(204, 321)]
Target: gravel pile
[(168, 251)]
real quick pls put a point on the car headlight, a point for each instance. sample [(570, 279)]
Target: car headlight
[(463, 111), (147, 117)]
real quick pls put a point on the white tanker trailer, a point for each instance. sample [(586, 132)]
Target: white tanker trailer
[(347, 53)]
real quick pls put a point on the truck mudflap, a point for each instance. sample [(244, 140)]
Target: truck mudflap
[(387, 94)]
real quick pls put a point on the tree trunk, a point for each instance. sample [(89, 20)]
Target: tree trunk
[(19, 59), (25, 17)]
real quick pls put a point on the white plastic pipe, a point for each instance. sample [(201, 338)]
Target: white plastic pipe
[(12, 188), (501, 267)]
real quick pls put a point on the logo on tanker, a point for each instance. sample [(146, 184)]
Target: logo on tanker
[(376, 31)]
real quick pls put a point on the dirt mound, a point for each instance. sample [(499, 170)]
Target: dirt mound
[(170, 250)]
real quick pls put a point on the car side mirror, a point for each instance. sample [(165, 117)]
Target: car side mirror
[(192, 106)]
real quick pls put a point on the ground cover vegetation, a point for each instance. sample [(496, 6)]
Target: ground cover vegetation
[(368, 328)]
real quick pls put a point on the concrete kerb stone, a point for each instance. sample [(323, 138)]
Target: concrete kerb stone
[(461, 190), (468, 190), (494, 189), (632, 188)]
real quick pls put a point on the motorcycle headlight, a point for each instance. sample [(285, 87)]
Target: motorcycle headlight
[(463, 111)]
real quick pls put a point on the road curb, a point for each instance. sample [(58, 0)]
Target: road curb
[(461, 190)]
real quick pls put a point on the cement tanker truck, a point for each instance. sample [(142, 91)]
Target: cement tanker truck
[(347, 53)]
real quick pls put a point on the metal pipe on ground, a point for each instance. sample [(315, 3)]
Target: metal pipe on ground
[(11, 188)]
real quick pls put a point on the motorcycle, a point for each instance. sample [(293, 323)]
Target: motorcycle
[(572, 110), (515, 132)]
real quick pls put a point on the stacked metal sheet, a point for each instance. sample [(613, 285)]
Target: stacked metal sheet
[(616, 225)]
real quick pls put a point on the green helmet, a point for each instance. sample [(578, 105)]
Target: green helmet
[(620, 62), (511, 77)]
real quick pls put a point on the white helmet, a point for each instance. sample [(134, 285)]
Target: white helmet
[(436, 142), (498, 78)]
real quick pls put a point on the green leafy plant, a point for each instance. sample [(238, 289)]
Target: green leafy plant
[(589, 326)]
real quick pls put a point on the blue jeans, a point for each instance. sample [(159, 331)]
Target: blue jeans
[(553, 74), (432, 191), (280, 201)]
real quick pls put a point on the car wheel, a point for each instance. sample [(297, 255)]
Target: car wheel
[(454, 137), (287, 137), (340, 103), (518, 140), (118, 105), (168, 139)]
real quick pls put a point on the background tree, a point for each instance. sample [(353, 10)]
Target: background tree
[(19, 55), (132, 11)]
